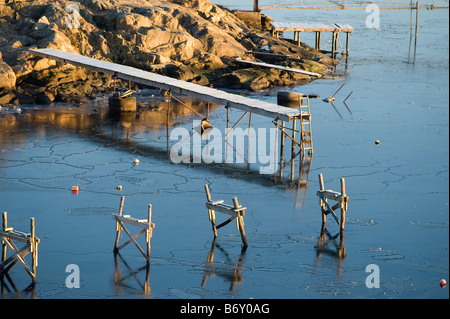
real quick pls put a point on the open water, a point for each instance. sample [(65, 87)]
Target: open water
[(397, 217)]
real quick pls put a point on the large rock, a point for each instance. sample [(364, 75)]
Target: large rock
[(192, 40), (7, 76)]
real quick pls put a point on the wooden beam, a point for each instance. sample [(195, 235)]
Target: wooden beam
[(143, 223)]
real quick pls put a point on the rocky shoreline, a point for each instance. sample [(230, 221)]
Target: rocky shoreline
[(192, 40)]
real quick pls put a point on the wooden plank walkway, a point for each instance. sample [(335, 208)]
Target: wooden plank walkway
[(319, 27), (208, 94), (273, 66)]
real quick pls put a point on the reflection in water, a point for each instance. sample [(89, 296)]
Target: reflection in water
[(230, 270), (120, 279), (131, 131), (12, 291), (323, 247)]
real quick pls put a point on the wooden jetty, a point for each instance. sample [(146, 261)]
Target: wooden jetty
[(145, 224), (274, 66), (236, 211), (340, 198), (170, 84), (318, 28), (7, 236), (349, 5)]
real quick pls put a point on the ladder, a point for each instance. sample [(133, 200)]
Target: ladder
[(305, 118)]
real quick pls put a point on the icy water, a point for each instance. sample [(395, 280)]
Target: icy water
[(397, 217)]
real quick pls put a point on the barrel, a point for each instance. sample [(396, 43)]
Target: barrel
[(122, 104), (289, 99)]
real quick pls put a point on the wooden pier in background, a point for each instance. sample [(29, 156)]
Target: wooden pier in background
[(318, 28), (7, 236)]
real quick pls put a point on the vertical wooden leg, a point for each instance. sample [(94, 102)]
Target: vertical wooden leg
[(346, 43), (118, 228), (32, 244), (149, 231), (322, 205), (343, 204), (212, 218), (282, 149), (212, 215), (332, 45), (294, 123), (240, 223), (317, 38), (5, 225)]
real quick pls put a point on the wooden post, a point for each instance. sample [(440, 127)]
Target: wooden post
[(168, 108), (118, 228), (346, 43), (294, 123), (282, 149), (322, 205), (114, 86), (212, 215), (248, 140), (226, 136), (228, 117), (318, 40), (33, 247), (343, 203), (255, 6), (240, 223), (5, 225), (298, 38), (415, 36), (149, 231)]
